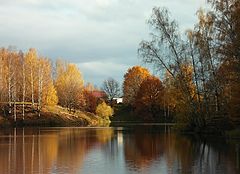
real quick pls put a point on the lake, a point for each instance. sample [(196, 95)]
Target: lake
[(131, 149)]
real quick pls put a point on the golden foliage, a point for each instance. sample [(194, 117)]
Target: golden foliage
[(180, 92), (69, 85), (104, 111), (51, 97), (132, 81)]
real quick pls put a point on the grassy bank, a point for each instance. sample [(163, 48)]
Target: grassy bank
[(53, 116)]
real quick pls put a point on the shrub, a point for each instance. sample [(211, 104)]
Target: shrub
[(104, 111)]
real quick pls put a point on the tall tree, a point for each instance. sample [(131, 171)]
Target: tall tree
[(111, 87), (3, 74), (168, 52), (132, 81), (31, 68), (149, 99), (69, 85), (21, 55), (90, 99)]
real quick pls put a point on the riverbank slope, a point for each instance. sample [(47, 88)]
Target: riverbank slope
[(52, 116)]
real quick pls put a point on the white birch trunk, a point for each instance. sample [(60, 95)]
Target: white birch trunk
[(24, 90), (32, 86), (9, 85), (40, 84)]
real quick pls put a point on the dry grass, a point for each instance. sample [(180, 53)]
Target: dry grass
[(52, 116)]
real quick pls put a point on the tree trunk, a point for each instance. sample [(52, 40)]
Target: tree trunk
[(14, 99), (24, 91), (195, 78), (32, 87), (1, 79), (40, 84), (9, 86)]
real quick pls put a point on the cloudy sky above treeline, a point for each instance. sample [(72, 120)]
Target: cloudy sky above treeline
[(100, 36)]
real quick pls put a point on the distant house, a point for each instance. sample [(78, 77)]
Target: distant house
[(118, 100), (99, 94)]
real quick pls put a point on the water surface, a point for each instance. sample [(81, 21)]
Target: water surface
[(145, 149)]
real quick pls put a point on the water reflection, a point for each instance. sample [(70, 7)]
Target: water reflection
[(133, 149)]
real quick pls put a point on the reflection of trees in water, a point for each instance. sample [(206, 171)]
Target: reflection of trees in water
[(142, 149), (214, 155), (45, 151), (27, 151), (76, 144), (181, 154), (54, 150)]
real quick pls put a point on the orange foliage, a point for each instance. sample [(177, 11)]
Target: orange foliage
[(90, 100), (149, 98), (132, 81)]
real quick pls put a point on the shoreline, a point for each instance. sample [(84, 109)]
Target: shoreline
[(49, 118), (53, 117)]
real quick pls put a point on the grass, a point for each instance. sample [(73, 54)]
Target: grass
[(53, 116)]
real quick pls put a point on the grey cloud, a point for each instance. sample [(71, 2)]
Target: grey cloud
[(95, 72), (86, 31)]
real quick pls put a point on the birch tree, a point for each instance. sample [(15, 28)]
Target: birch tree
[(31, 68)]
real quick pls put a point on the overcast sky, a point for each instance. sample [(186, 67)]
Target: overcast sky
[(101, 36)]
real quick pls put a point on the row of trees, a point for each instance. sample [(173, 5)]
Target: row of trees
[(202, 67), (29, 81), (25, 79)]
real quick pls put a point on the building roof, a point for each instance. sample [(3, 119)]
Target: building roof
[(99, 94)]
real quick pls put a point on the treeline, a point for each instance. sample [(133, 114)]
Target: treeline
[(25, 79), (28, 80), (202, 67)]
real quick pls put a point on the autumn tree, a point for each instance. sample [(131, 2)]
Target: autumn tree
[(197, 65), (104, 111), (46, 91), (227, 44), (166, 42), (230, 95), (69, 85), (24, 78), (149, 99), (132, 81), (215, 46), (3, 75), (226, 26), (22, 59), (51, 98), (111, 87), (91, 101), (206, 62), (31, 60)]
